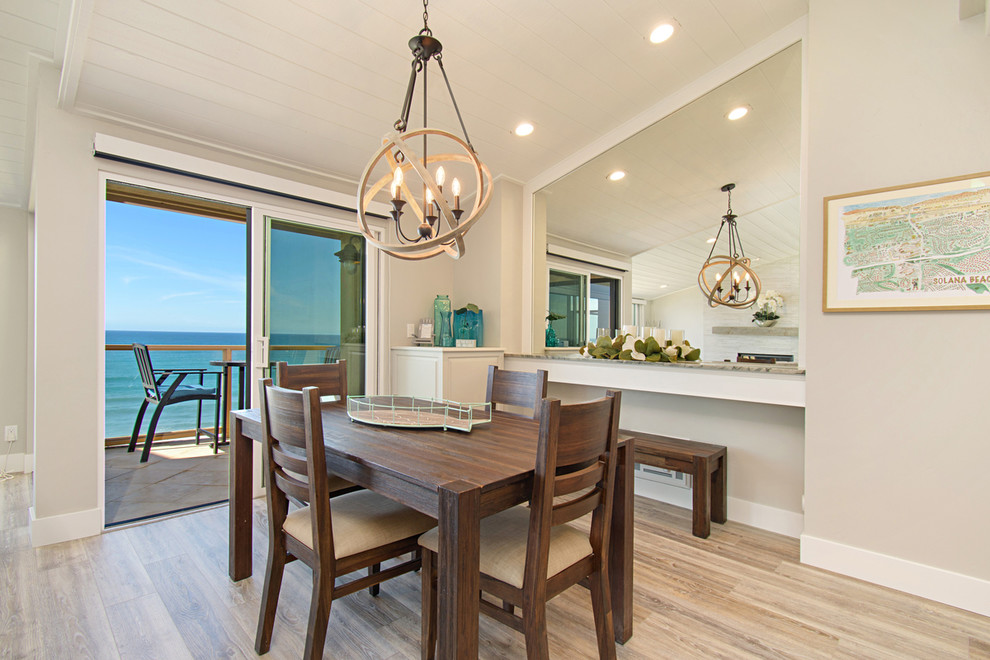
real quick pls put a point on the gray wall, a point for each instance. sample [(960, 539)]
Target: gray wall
[(14, 250), (897, 446), (764, 442)]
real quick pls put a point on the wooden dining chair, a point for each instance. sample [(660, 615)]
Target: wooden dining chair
[(531, 554), (330, 378), (333, 537), (516, 388)]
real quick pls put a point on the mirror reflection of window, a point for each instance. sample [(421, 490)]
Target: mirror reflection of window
[(568, 298), (639, 312), (603, 305)]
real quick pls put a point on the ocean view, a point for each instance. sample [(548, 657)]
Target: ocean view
[(123, 383)]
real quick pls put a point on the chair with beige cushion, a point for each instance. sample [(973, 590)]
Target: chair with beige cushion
[(531, 554), (522, 389), (333, 537)]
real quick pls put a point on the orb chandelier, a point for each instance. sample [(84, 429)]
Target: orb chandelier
[(412, 171), (727, 279)]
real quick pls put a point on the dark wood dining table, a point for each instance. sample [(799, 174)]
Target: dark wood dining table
[(227, 365), (455, 477)]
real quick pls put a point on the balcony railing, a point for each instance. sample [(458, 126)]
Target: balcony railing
[(220, 352)]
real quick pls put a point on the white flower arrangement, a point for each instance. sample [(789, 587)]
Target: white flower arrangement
[(767, 305)]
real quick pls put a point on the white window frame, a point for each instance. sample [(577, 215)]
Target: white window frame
[(587, 271)]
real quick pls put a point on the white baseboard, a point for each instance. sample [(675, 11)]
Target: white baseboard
[(772, 519), (65, 527), (761, 516), (18, 463), (956, 589)]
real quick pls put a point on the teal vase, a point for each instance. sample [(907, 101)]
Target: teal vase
[(551, 337), (443, 333)]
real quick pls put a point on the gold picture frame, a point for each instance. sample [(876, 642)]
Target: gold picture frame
[(920, 246)]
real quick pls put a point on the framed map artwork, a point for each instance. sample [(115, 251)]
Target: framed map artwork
[(924, 246)]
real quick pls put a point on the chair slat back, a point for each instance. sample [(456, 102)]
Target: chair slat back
[(292, 425), (330, 379), (143, 357), (516, 388), (575, 457)]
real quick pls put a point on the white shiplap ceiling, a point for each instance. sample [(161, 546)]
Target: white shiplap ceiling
[(27, 33), (670, 201), (314, 84)]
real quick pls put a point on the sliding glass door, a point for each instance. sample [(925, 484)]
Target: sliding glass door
[(314, 296), (581, 303)]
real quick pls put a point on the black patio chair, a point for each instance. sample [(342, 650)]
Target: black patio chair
[(155, 380)]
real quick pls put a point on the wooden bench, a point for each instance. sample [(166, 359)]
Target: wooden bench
[(704, 462)]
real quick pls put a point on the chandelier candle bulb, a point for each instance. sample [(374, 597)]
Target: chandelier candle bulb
[(397, 184), (441, 177), (456, 189)]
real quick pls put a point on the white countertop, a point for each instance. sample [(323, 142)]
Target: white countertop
[(775, 384)]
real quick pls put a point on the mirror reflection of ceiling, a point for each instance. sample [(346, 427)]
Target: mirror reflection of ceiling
[(669, 203)]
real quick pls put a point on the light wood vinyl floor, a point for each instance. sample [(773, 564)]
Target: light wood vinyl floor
[(161, 590)]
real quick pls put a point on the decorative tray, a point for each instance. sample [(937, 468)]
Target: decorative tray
[(417, 412)]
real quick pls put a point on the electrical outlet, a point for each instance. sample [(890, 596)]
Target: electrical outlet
[(10, 433)]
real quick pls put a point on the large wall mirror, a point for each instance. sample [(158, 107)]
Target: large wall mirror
[(652, 227)]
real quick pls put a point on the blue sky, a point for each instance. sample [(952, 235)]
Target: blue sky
[(183, 273), (173, 271)]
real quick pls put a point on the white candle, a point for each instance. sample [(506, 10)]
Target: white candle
[(660, 335), (397, 184), (676, 337)]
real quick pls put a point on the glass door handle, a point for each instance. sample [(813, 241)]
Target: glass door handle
[(261, 352)]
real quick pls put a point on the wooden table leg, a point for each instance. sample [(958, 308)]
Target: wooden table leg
[(458, 581), (241, 461), (720, 500), (701, 512), (226, 403), (620, 558)]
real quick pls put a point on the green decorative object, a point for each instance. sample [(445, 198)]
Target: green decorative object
[(628, 347), (551, 341), (443, 334), (469, 324)]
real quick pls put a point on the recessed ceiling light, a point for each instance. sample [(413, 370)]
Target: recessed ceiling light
[(738, 113), (616, 175), (524, 129), (661, 33), (710, 240), (663, 286)]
